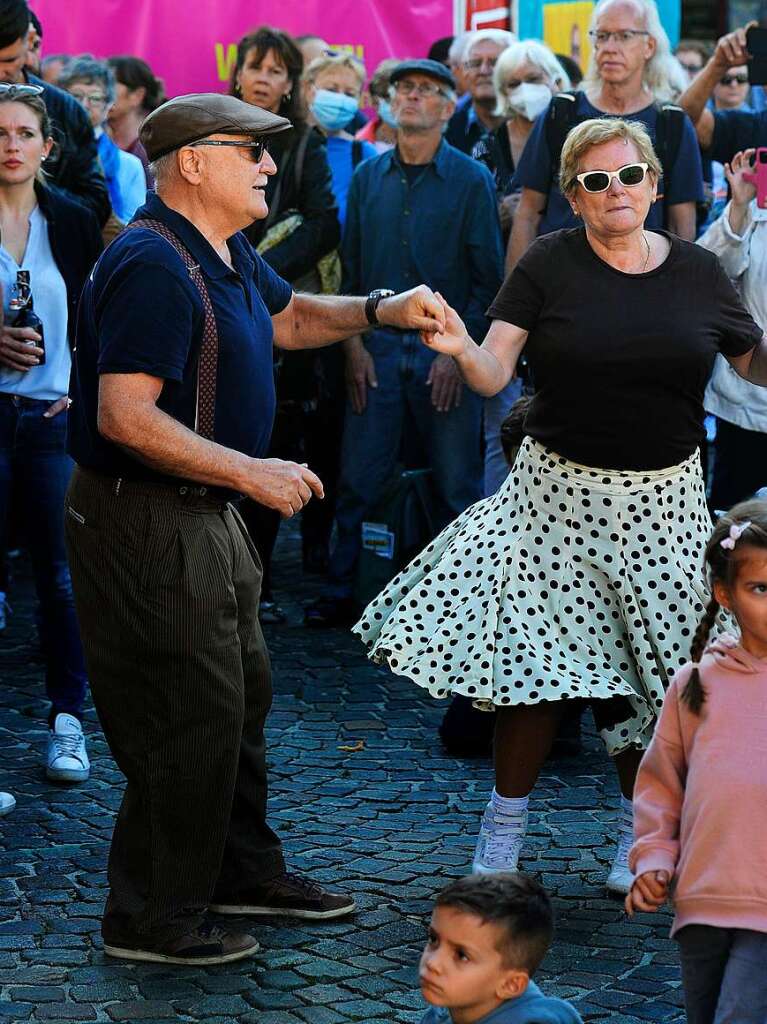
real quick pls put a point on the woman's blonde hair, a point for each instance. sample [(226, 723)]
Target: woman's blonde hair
[(336, 60), (663, 75), (597, 132), (525, 51)]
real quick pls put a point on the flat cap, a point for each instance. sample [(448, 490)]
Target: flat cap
[(186, 119), (423, 66)]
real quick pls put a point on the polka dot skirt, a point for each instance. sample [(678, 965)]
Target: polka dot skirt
[(570, 581)]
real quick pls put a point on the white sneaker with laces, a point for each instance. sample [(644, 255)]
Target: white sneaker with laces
[(620, 879), (67, 759), (499, 842), (7, 803)]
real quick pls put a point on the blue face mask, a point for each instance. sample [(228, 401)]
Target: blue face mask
[(333, 110), (384, 112)]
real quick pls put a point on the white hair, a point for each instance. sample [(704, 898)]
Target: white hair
[(458, 47), (499, 36), (526, 51), (662, 71), (163, 169)]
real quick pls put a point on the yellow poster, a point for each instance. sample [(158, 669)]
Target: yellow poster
[(566, 27)]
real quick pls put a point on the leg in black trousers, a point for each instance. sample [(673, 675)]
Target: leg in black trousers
[(740, 464)]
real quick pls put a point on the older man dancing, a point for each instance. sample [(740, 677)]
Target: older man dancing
[(173, 402)]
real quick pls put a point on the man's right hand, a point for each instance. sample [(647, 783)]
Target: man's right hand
[(283, 486), (15, 350), (360, 374), (731, 50)]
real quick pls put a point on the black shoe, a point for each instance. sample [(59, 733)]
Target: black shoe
[(288, 895), (208, 944), (329, 612)]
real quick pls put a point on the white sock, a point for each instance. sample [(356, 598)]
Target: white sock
[(626, 818), (511, 807)]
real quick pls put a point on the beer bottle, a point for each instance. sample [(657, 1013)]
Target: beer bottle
[(22, 312)]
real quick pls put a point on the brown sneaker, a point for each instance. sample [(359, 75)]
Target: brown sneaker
[(208, 944), (289, 895)]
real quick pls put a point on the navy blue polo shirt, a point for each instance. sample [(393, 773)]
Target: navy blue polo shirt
[(141, 313)]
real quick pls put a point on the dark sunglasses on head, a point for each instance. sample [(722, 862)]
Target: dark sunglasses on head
[(599, 181), (733, 80), (255, 149), (11, 89)]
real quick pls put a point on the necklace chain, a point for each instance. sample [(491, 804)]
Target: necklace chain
[(647, 257)]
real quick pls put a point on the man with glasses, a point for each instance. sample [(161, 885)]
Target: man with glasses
[(724, 132), (73, 164), (173, 403), (628, 76), (422, 211), (692, 54), (474, 118)]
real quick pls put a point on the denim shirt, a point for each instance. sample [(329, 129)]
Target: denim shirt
[(442, 231)]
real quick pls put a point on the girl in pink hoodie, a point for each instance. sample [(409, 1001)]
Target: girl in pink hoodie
[(700, 800)]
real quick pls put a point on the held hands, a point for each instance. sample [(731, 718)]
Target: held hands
[(414, 310), (15, 351), (453, 339), (742, 191), (731, 50), (648, 893), (283, 486)]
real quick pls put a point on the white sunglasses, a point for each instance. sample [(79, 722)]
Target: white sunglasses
[(599, 181)]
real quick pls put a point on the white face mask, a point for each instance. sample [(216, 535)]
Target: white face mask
[(530, 99)]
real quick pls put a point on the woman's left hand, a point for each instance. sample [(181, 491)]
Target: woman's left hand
[(742, 191), (60, 405)]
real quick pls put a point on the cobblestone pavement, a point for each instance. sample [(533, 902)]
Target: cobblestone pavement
[(391, 819)]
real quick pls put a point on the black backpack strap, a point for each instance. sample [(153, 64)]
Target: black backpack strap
[(298, 167), (356, 152), (669, 129), (562, 116)]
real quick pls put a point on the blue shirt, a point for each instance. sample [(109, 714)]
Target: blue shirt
[(341, 159), (532, 1007), (535, 168), (442, 230), (49, 294), (735, 130), (141, 313), (125, 178)]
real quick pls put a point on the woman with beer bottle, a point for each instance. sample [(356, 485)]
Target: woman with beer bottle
[(48, 245)]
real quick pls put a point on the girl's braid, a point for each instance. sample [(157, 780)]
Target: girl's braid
[(694, 695)]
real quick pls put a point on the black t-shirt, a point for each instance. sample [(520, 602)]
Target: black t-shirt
[(621, 361)]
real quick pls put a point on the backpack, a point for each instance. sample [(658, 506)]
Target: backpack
[(563, 116)]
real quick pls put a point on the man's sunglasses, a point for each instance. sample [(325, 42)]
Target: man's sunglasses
[(599, 181), (733, 80), (255, 149)]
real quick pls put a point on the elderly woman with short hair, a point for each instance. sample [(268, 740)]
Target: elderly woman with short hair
[(581, 579), (92, 83)]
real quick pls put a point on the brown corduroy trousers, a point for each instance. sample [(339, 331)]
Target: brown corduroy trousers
[(166, 583)]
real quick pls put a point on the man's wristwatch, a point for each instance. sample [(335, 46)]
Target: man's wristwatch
[(372, 303)]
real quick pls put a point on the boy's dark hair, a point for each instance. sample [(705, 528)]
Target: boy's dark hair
[(722, 565), (513, 427), (14, 21), (516, 903)]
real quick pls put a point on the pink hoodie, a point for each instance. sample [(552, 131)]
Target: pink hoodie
[(700, 800)]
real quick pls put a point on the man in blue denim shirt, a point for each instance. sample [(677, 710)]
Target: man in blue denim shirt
[(421, 212)]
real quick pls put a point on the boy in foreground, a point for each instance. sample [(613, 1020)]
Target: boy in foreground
[(487, 937)]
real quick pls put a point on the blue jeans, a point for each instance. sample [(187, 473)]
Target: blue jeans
[(723, 974), (497, 409), (34, 464), (372, 442)]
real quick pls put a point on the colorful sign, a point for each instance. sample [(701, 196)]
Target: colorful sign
[(193, 48)]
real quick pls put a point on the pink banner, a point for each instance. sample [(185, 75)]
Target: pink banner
[(192, 45)]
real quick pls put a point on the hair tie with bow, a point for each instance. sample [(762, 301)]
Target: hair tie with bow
[(736, 532)]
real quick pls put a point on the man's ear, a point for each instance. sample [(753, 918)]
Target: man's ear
[(188, 163), (512, 984)]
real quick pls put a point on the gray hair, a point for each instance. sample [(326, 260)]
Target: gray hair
[(663, 75), (86, 68), (530, 51), (163, 169), (499, 36), (457, 49)]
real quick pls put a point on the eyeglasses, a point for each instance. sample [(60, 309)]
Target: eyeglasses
[(599, 181), (405, 86), (11, 90), (89, 98), (475, 64), (691, 69), (734, 80), (255, 150), (624, 36)]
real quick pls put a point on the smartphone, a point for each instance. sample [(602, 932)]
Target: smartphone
[(756, 41)]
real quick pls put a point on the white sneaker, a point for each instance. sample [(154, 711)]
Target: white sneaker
[(499, 842), (7, 803), (620, 879), (67, 759)]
